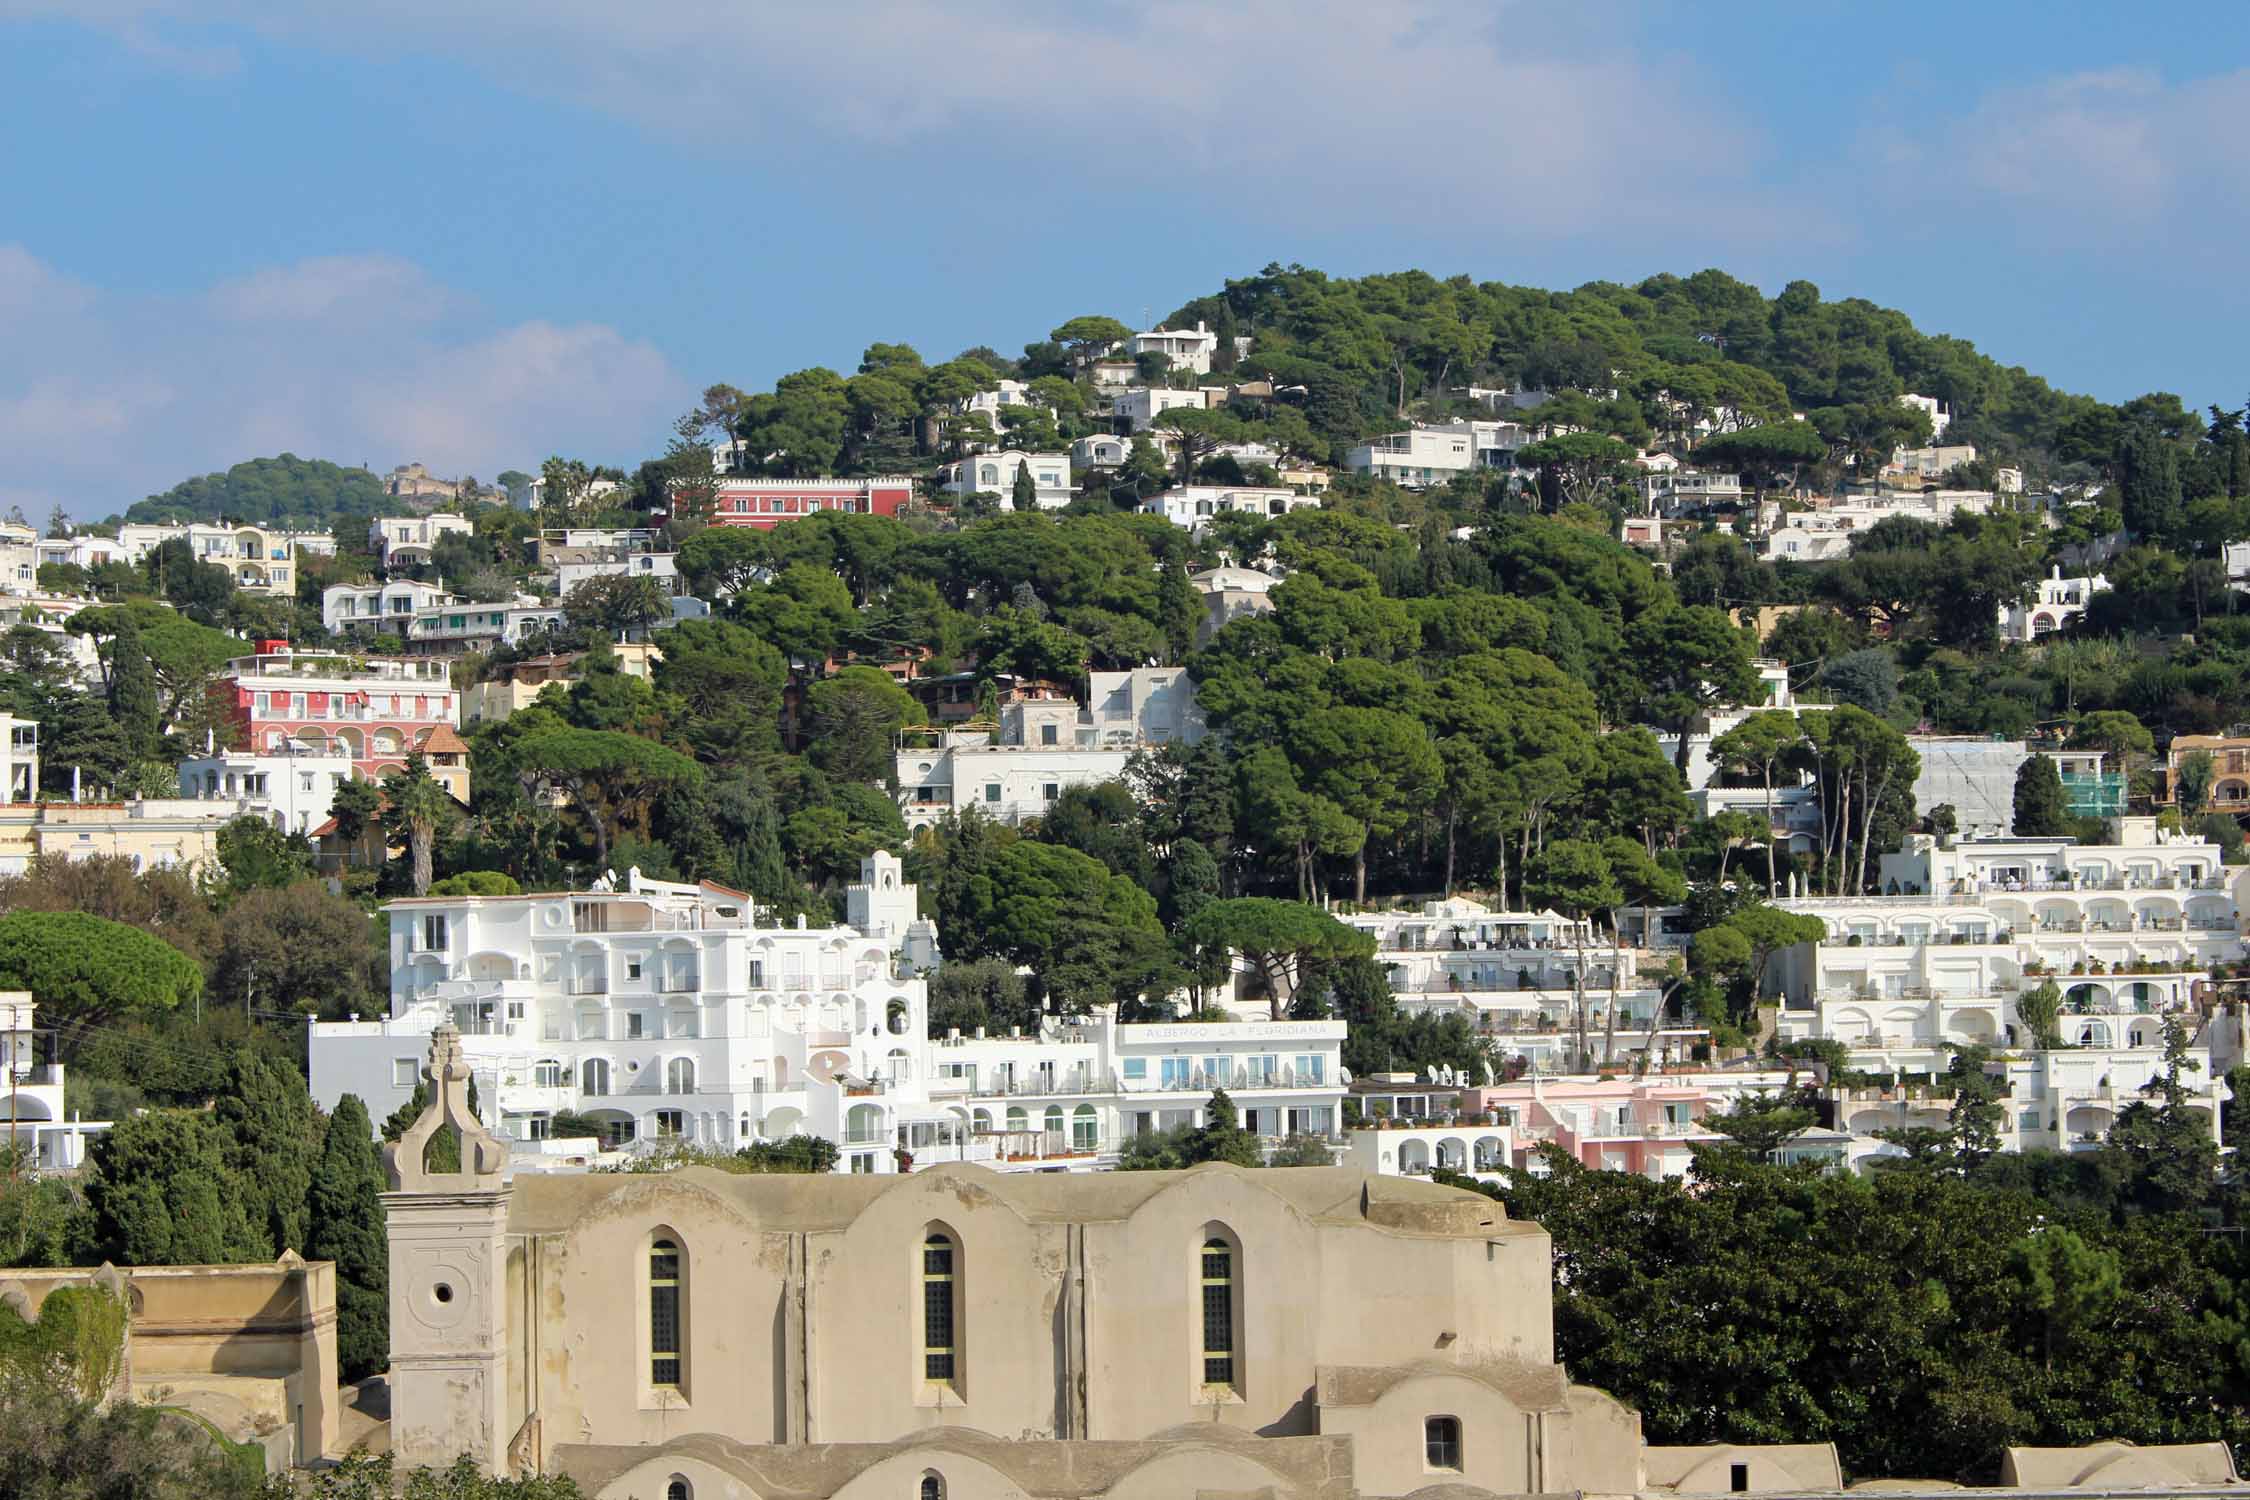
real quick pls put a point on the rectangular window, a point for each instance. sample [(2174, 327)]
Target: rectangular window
[(1312, 1067), (632, 968), (1216, 1072), (664, 1315), (937, 1308), (1174, 1071), (433, 932), (633, 1025), (1441, 1441), (403, 1070), (1046, 734), (1136, 1069), (1218, 1314), (1051, 792), (670, 1124), (992, 791)]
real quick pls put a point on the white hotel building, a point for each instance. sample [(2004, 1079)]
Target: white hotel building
[(1522, 979), (2128, 932), (679, 1012)]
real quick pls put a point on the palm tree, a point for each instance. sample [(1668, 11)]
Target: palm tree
[(417, 805)]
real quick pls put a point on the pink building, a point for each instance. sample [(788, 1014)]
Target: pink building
[(373, 709), (766, 503)]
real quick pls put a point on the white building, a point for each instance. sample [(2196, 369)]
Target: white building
[(260, 560), (408, 541), (1006, 393), (576, 565), (1080, 1091), (1187, 349), (50, 613), (383, 608), (676, 1012), (1045, 745), (1103, 450), (1825, 532), (664, 1011), (1674, 492), (995, 474), (1941, 416), (1229, 593), (2059, 600), (19, 757), (31, 1092), (534, 496), (459, 625), (1525, 980), (1140, 406), (1916, 465), (1975, 775), (294, 792), (1194, 505), (1431, 454), (2128, 932)]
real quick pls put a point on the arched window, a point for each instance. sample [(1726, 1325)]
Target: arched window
[(940, 1304), (1441, 1443), (1085, 1129), (933, 1486), (679, 1076), (1218, 1278), (665, 1330), (547, 1073), (594, 1077), (679, 1489)]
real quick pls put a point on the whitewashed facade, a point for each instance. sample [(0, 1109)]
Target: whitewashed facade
[(671, 1012), (1525, 980), (1046, 745)]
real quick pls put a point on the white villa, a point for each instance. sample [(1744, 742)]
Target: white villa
[(1044, 745), (1432, 453), (403, 541), (1522, 979), (31, 1092), (2057, 601), (1187, 348), (672, 1012), (1194, 506), (2127, 932), (994, 473)]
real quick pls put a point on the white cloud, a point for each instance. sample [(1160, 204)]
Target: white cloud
[(1307, 113), (106, 397), (334, 288), (2119, 157)]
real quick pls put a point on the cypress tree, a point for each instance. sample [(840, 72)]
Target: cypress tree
[(132, 688), (347, 1228), (1026, 494), (271, 1125), (2041, 811)]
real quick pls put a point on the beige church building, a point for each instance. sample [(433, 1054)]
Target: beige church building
[(956, 1334)]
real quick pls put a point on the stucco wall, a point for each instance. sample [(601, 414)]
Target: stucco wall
[(265, 1334)]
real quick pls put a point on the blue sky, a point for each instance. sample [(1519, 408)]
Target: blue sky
[(475, 235)]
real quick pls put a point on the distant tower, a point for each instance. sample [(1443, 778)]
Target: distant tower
[(448, 1233), (885, 904)]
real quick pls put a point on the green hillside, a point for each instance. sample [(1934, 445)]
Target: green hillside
[(300, 493), (1365, 349)]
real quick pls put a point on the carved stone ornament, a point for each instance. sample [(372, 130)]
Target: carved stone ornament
[(483, 1156)]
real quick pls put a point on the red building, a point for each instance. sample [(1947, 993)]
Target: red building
[(373, 709), (766, 503)]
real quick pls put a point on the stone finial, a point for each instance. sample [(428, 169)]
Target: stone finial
[(483, 1156)]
